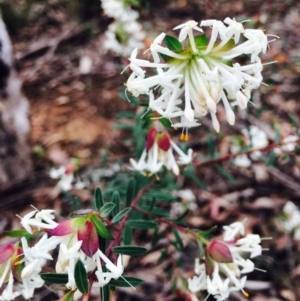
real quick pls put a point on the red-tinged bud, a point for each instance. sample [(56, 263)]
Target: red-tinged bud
[(209, 264), (6, 252), (150, 139), (67, 227), (219, 252), (89, 236), (164, 141)]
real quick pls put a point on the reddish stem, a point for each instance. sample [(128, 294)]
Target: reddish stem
[(117, 239), (232, 156)]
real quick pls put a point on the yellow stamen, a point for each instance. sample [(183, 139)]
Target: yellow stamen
[(186, 137), (182, 136), (246, 294), (17, 262)]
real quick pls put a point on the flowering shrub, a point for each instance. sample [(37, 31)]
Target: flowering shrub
[(184, 80)]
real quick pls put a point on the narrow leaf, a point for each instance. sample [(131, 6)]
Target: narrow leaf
[(182, 216), (225, 174), (130, 250), (120, 215), (104, 293), (55, 278), (130, 193), (173, 44), (107, 209), (179, 242), (98, 198), (116, 200), (127, 235), (101, 228), (122, 283), (142, 224), (81, 278), (16, 233)]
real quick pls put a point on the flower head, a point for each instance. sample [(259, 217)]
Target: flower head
[(225, 262), (198, 73)]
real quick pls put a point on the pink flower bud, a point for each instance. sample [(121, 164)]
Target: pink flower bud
[(163, 141), (219, 252), (150, 139), (209, 264), (89, 236), (6, 252), (67, 226)]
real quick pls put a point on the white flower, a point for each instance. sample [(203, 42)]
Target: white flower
[(125, 33), (65, 175), (291, 220), (289, 143), (68, 255), (8, 293), (36, 218), (193, 80), (115, 271), (36, 256), (223, 278), (233, 230), (159, 153), (251, 244)]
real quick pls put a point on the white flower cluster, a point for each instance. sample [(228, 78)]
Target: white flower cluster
[(291, 221), (227, 277), (197, 74), (254, 137), (125, 33), (35, 257), (66, 178)]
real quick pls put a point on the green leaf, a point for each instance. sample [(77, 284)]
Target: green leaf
[(17, 233), (165, 122), (271, 158), (179, 242), (107, 209), (123, 282), (182, 216), (102, 245), (160, 212), (81, 278), (104, 293), (130, 193), (152, 204), (211, 146), (127, 235), (100, 227), (200, 41), (225, 174), (173, 44), (130, 250), (98, 198), (55, 278), (116, 200), (120, 215), (142, 224)]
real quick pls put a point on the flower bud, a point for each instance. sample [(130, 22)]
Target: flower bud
[(219, 252), (163, 141), (150, 139)]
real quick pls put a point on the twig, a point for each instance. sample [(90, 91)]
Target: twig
[(117, 239), (250, 151)]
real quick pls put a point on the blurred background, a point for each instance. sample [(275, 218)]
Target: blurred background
[(75, 91)]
